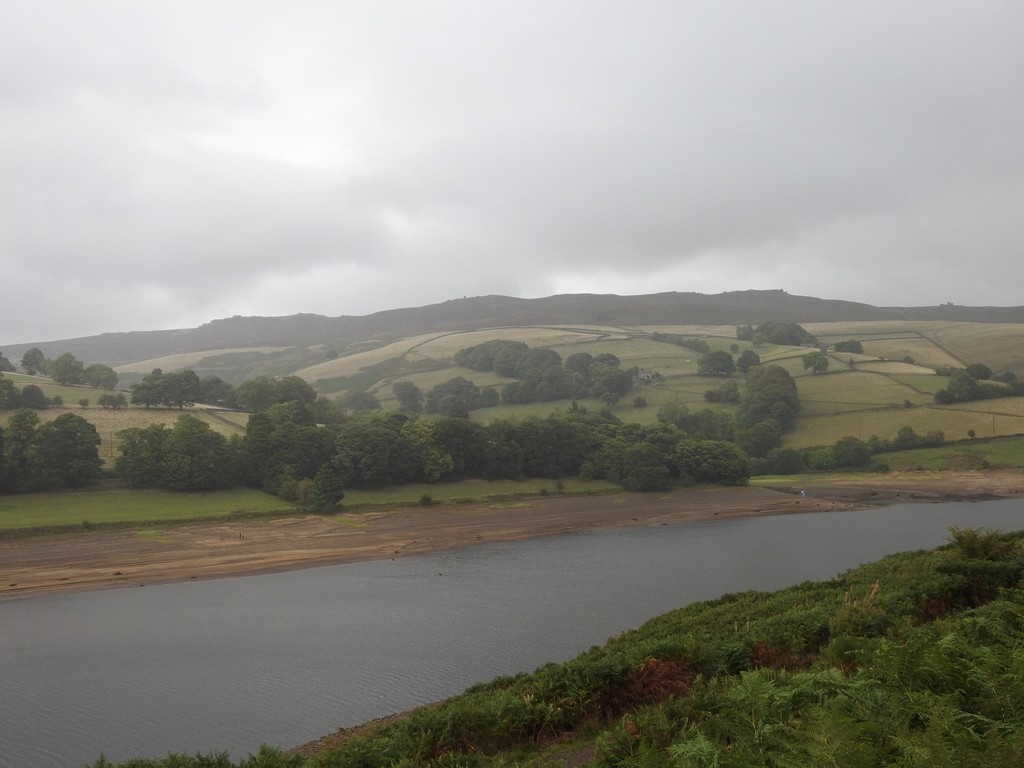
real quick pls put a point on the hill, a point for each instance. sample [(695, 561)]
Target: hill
[(292, 342)]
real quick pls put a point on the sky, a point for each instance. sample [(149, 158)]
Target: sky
[(164, 164)]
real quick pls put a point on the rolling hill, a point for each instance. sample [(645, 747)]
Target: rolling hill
[(239, 347)]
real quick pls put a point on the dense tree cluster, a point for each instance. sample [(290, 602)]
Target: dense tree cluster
[(716, 363), (63, 453), (852, 346), (771, 332), (69, 370), (542, 376), (689, 342), (815, 362), (5, 364), (285, 453), (976, 382)]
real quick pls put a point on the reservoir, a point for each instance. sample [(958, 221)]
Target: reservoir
[(285, 658)]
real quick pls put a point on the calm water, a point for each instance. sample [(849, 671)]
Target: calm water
[(286, 658)]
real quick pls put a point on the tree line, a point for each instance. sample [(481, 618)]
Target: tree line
[(284, 452), (543, 376), (63, 453)]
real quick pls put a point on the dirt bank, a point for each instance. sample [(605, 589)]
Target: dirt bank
[(125, 558)]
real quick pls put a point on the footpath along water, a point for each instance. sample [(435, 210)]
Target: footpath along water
[(285, 658)]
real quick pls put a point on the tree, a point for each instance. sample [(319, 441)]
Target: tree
[(816, 362), (435, 464), (5, 364), (258, 393), (761, 438), (9, 395), (67, 452), (771, 393), (195, 457), (213, 390), (100, 376), (173, 390), (359, 400), (142, 455), (327, 490), (67, 369), (850, 451), (295, 388), (410, 398), (18, 454), (716, 363), (33, 362), (33, 397), (462, 388), (729, 392), (370, 452), (179, 389), (713, 461), (852, 346), (643, 469), (961, 388), (979, 371), (747, 359), (112, 401)]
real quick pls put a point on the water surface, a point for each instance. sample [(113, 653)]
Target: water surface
[(285, 658)]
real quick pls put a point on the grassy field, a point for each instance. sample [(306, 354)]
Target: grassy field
[(70, 395), (122, 506), (974, 454), (97, 507), (191, 359)]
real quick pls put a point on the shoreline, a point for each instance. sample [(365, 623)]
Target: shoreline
[(65, 563)]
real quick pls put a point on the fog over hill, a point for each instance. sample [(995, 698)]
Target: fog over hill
[(348, 333)]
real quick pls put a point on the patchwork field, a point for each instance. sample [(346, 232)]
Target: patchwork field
[(874, 393)]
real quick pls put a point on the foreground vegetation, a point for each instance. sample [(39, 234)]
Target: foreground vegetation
[(915, 660)]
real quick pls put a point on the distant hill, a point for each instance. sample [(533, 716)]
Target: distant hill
[(345, 334)]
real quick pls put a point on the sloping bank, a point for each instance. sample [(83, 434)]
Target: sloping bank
[(915, 660)]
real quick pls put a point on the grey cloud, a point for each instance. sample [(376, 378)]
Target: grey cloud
[(181, 161)]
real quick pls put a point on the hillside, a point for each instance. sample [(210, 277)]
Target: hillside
[(304, 339)]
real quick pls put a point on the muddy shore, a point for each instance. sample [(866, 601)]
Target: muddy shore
[(129, 558)]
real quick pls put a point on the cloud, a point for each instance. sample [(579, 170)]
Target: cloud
[(165, 164)]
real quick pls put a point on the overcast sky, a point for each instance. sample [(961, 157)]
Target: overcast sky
[(163, 164)]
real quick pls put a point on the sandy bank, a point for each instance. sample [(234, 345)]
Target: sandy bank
[(124, 558)]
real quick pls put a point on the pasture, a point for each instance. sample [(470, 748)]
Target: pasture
[(186, 360), (964, 454), (122, 506)]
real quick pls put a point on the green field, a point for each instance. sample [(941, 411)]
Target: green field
[(132, 507), (974, 454), (99, 507)]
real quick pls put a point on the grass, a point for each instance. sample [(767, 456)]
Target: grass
[(928, 383), (474, 490), (972, 454), (192, 359), (69, 394), (123, 506)]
